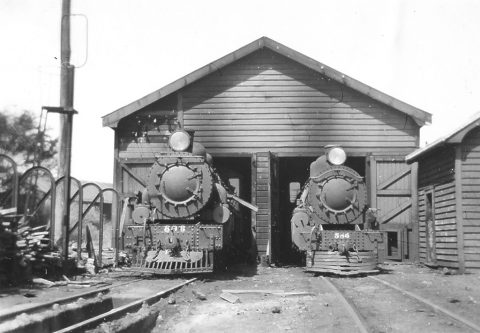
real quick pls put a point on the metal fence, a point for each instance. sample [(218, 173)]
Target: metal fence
[(32, 196)]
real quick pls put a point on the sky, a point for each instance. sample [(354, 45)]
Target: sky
[(425, 53)]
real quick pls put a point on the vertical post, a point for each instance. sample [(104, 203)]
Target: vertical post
[(180, 118), (373, 182), (66, 122), (254, 248), (459, 208), (414, 213)]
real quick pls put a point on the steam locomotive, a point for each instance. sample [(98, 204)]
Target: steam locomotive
[(331, 224), (182, 222)]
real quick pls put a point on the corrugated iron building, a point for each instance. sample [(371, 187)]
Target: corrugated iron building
[(265, 112), (449, 199)]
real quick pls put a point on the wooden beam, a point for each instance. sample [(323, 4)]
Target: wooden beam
[(459, 207), (398, 193), (394, 212), (132, 173), (383, 185), (117, 186)]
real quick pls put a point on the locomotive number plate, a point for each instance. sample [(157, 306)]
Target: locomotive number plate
[(341, 235), (174, 228)]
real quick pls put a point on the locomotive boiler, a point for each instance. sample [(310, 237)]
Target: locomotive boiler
[(332, 224), (182, 222)]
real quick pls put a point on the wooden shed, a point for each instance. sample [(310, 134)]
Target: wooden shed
[(449, 199), (265, 112)]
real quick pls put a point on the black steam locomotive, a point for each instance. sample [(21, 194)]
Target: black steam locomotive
[(331, 223), (183, 219)]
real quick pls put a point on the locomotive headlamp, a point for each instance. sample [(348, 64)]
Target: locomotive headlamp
[(179, 140), (336, 156)]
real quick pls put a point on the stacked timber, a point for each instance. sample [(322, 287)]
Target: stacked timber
[(23, 248), (33, 244)]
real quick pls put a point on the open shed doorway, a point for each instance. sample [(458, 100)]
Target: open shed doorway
[(236, 171), (293, 173)]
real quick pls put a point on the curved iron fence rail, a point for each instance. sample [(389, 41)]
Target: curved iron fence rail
[(51, 222), (15, 182)]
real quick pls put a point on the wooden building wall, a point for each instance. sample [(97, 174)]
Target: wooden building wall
[(263, 103), (436, 174), (471, 198)]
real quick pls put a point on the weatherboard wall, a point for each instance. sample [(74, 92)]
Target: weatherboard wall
[(267, 102), (436, 174), (471, 198)]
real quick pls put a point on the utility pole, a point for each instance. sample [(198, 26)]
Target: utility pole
[(66, 123)]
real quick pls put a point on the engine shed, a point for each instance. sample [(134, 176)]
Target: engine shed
[(265, 112), (449, 197)]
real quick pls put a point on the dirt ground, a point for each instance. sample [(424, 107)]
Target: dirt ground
[(304, 303), (289, 299)]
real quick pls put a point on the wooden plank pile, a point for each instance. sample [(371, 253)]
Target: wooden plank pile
[(23, 248), (33, 244)]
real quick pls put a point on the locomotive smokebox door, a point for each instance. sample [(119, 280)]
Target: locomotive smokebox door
[(337, 194), (180, 186)]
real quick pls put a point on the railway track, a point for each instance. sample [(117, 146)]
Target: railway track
[(85, 311), (385, 311)]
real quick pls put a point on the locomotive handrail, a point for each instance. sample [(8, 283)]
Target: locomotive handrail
[(243, 202)]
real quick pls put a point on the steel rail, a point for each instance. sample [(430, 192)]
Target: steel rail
[(64, 300), (436, 307), (119, 312), (349, 306)]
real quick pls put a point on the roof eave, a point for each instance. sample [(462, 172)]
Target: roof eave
[(455, 137)]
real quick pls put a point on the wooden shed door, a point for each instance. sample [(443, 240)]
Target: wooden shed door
[(392, 185)]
